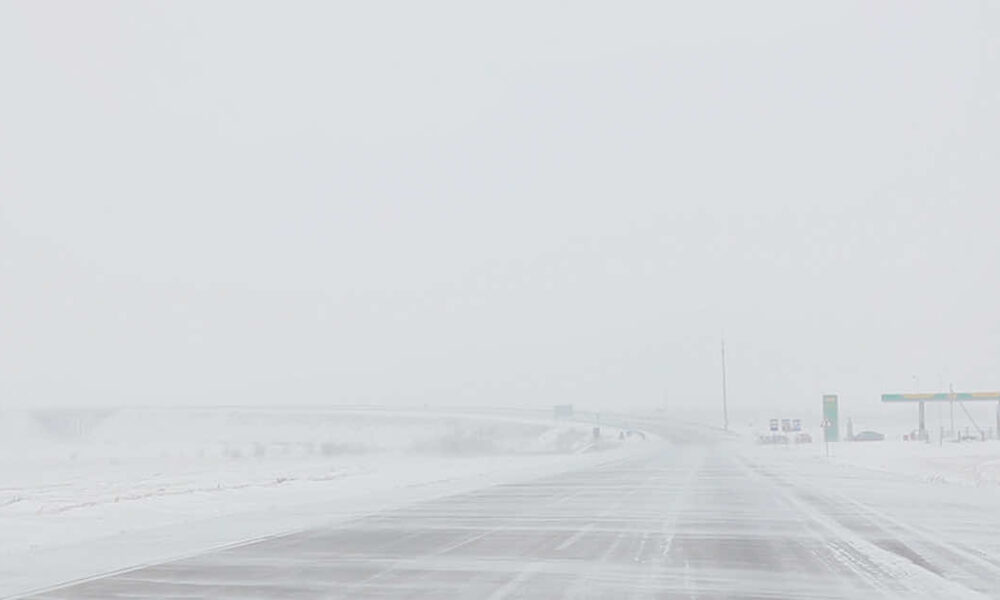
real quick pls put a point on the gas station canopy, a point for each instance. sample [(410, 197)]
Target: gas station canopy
[(945, 397)]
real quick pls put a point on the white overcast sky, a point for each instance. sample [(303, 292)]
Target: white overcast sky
[(514, 203)]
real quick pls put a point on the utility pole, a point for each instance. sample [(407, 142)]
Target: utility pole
[(725, 409)]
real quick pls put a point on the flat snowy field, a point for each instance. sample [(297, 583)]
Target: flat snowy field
[(88, 492), (964, 464), (974, 462)]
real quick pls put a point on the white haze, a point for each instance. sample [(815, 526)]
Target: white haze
[(497, 204)]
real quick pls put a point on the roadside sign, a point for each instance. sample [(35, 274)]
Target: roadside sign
[(830, 410)]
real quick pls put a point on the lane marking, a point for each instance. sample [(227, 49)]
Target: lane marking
[(575, 537)]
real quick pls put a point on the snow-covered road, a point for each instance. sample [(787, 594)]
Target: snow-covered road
[(680, 521)]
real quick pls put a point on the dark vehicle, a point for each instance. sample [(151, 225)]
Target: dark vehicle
[(869, 436)]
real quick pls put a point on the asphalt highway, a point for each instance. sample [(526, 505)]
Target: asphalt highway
[(679, 521)]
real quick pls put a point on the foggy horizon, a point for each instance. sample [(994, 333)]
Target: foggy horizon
[(228, 203)]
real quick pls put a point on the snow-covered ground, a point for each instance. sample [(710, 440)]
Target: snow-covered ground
[(85, 492), (966, 463), (970, 462), (92, 492), (974, 463)]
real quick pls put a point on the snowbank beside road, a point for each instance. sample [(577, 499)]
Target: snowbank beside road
[(236, 433), (92, 491), (967, 463), (971, 463)]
